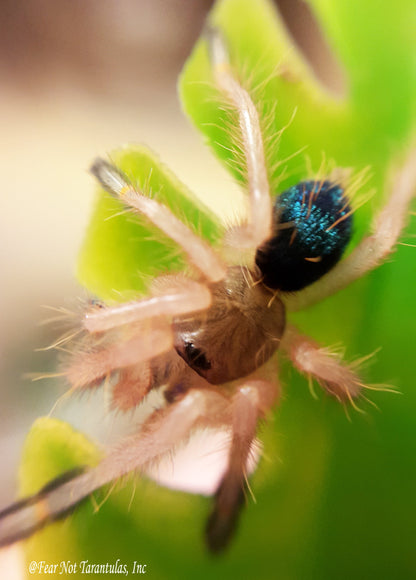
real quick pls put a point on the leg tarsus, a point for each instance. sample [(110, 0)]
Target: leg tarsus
[(223, 520)]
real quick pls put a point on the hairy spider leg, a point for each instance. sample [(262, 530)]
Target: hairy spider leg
[(180, 296), (91, 363), (373, 249), (133, 333), (259, 227), (319, 363), (199, 253), (250, 402), (158, 436)]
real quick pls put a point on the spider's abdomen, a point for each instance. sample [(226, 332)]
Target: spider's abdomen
[(313, 225)]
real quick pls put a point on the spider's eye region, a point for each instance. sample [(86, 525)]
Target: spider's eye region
[(196, 358), (313, 225)]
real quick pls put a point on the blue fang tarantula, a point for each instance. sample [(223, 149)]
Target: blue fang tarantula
[(210, 341)]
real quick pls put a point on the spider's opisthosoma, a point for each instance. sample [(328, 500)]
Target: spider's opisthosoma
[(210, 340)]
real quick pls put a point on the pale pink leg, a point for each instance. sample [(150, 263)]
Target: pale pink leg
[(200, 254), (132, 386), (95, 362), (249, 403), (159, 435), (371, 252), (259, 227), (135, 382), (134, 332), (318, 363), (177, 295)]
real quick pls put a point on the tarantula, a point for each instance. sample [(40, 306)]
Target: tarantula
[(209, 341)]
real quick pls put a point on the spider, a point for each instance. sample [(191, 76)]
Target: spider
[(209, 340)]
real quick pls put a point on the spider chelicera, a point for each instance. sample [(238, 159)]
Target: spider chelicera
[(209, 341)]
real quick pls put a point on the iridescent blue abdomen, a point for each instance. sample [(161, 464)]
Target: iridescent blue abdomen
[(313, 225)]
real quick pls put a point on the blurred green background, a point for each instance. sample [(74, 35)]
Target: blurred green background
[(335, 498)]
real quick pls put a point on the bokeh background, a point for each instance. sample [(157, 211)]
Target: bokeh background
[(76, 80)]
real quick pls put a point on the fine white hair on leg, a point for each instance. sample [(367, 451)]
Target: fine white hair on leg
[(259, 228), (318, 363), (180, 296), (95, 362), (249, 403), (159, 435), (373, 249), (199, 253)]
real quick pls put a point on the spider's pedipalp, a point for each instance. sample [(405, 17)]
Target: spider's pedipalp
[(132, 386), (93, 362), (249, 403), (126, 337), (327, 368), (199, 253), (159, 435), (373, 249), (259, 226)]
